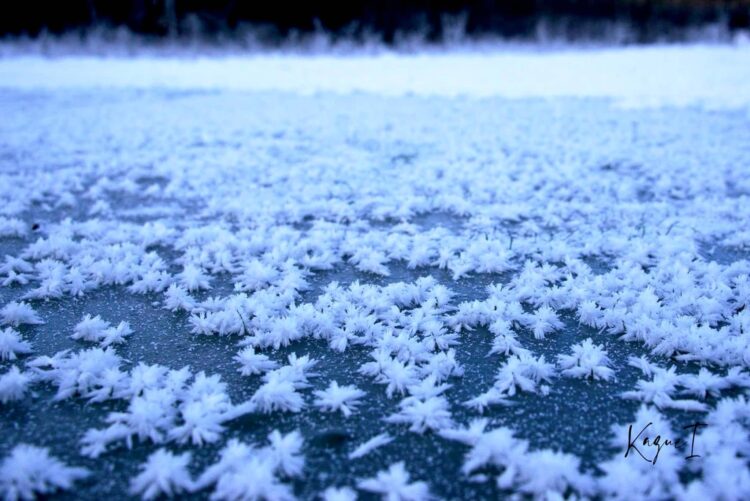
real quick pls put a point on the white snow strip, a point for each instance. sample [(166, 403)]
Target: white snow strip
[(714, 76)]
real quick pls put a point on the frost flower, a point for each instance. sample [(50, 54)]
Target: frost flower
[(254, 363), (587, 361), (339, 398), (29, 471), (11, 344), (394, 485), (544, 321), (96, 330), (16, 314), (163, 473), (13, 385), (339, 494), (422, 414)]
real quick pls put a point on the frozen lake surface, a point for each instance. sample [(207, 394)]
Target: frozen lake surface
[(403, 240)]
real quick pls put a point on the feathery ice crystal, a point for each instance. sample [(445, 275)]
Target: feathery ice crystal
[(394, 484), (339, 398), (12, 344), (13, 385), (30, 471), (163, 473), (16, 314), (588, 360)]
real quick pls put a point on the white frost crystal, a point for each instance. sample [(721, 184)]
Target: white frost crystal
[(163, 473), (16, 314), (339, 494), (370, 445), (394, 484), (29, 471), (588, 360), (100, 331), (13, 385), (12, 344), (246, 472), (254, 363), (339, 398)]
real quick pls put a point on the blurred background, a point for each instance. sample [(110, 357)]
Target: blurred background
[(380, 21)]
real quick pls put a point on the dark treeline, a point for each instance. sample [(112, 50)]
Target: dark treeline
[(384, 20)]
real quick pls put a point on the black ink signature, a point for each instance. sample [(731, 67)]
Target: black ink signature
[(660, 442)]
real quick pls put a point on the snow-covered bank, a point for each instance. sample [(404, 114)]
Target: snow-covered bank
[(714, 76)]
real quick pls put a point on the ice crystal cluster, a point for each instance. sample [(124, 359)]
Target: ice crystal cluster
[(396, 270)]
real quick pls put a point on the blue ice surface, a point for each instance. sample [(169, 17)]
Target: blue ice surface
[(47, 131)]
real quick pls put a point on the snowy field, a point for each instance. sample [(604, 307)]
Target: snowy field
[(457, 276)]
